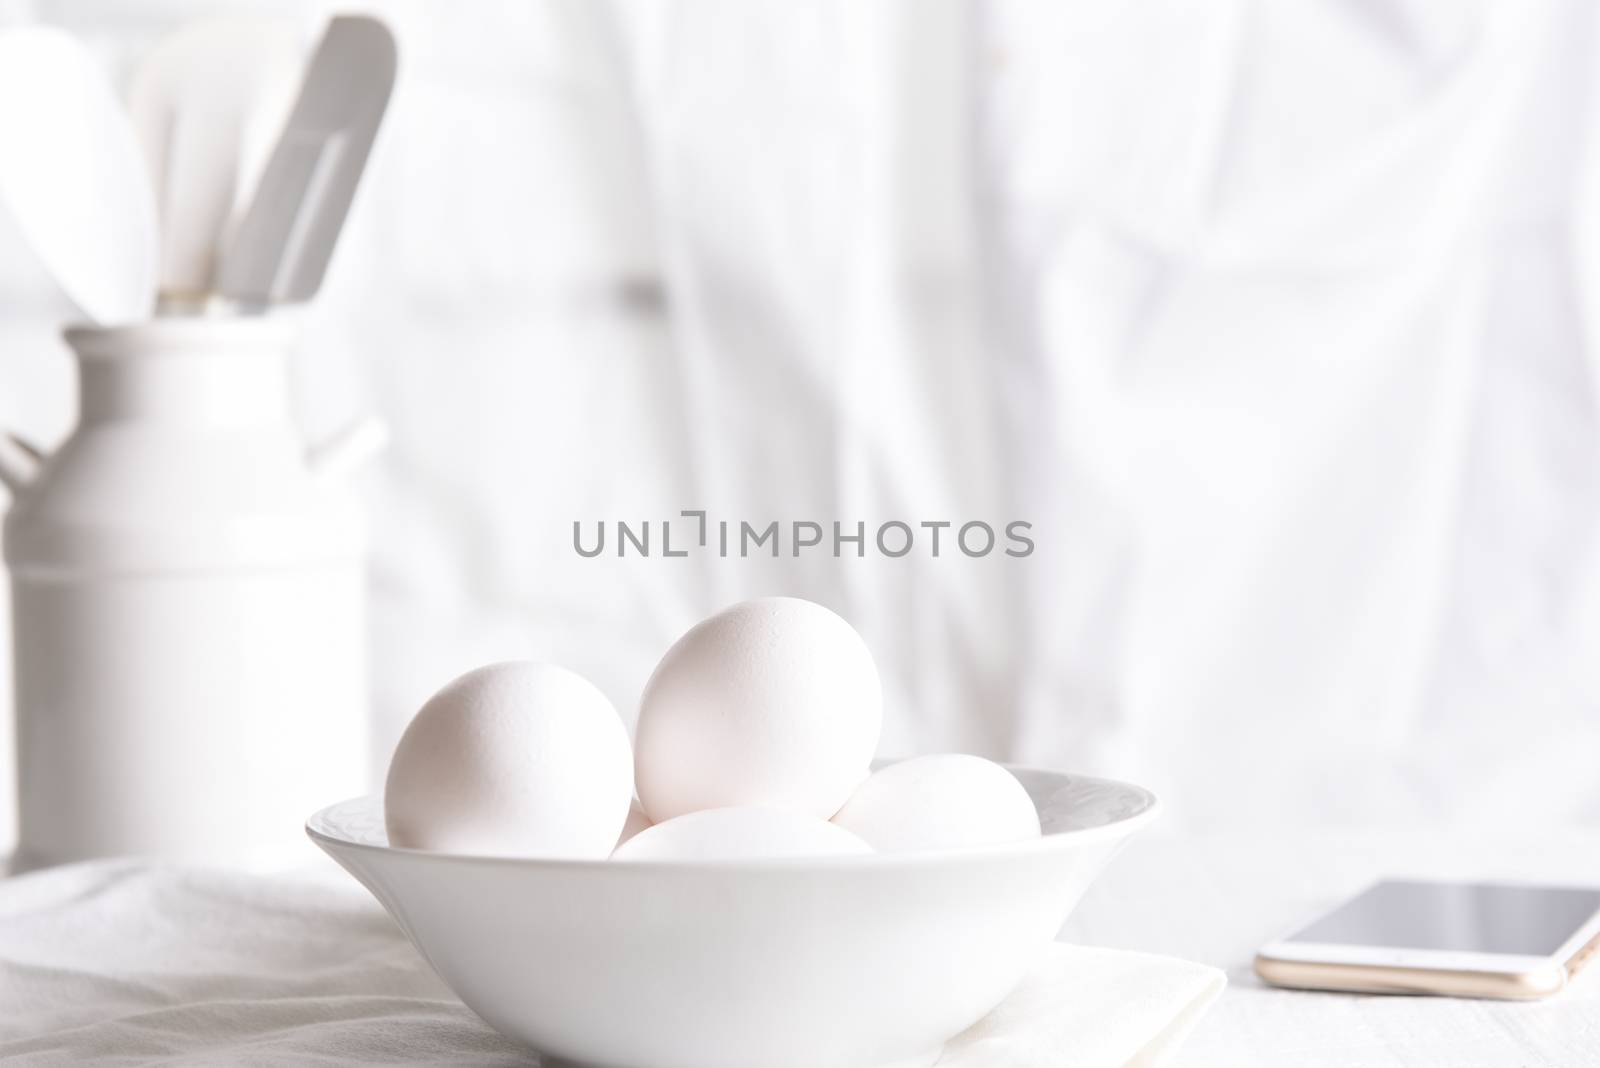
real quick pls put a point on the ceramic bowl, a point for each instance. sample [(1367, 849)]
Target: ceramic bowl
[(856, 962)]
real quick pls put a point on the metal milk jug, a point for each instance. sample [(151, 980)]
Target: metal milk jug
[(187, 585)]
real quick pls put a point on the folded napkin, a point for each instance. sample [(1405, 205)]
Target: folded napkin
[(126, 962), (1083, 1007)]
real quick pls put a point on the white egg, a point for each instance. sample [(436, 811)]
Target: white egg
[(637, 821), (948, 801), (774, 702), (741, 833), (513, 759)]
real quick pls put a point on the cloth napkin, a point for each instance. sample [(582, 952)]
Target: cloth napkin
[(1083, 1007), (120, 963)]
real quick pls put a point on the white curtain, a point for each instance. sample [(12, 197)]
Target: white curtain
[(1272, 318)]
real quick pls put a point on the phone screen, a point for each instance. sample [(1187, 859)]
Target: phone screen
[(1532, 921)]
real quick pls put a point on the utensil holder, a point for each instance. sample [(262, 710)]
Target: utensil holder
[(187, 583)]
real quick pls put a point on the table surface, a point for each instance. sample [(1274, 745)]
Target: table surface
[(1215, 899), (1210, 899)]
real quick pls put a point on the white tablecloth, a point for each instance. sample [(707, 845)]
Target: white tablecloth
[(125, 962), (65, 954)]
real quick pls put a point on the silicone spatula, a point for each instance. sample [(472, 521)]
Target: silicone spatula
[(72, 174), (281, 249), (207, 103)]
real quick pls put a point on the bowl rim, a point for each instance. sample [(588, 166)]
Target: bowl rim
[(1050, 841)]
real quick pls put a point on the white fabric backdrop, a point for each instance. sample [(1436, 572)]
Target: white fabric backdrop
[(1274, 318)]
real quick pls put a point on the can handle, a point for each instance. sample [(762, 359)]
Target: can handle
[(19, 462), (348, 449)]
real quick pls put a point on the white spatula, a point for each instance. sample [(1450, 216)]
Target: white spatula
[(72, 173), (281, 249), (207, 102)]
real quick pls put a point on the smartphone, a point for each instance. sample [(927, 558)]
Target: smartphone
[(1482, 940)]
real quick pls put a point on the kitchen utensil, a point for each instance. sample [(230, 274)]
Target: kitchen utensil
[(187, 590), (207, 102), (850, 961), (283, 244), (72, 174)]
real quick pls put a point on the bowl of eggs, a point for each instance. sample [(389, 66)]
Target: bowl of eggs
[(742, 885)]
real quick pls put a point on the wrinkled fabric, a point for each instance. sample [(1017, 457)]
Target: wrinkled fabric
[(1272, 319), (121, 963)]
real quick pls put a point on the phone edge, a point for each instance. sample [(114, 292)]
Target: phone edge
[(1528, 985)]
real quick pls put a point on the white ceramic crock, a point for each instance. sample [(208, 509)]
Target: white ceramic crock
[(187, 592)]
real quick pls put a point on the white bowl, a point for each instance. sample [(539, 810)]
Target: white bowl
[(783, 963)]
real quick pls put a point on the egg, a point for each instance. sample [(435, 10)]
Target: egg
[(636, 822), (773, 702), (514, 759), (946, 801), (741, 833)]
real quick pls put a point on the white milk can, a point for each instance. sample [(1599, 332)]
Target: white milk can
[(187, 596)]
